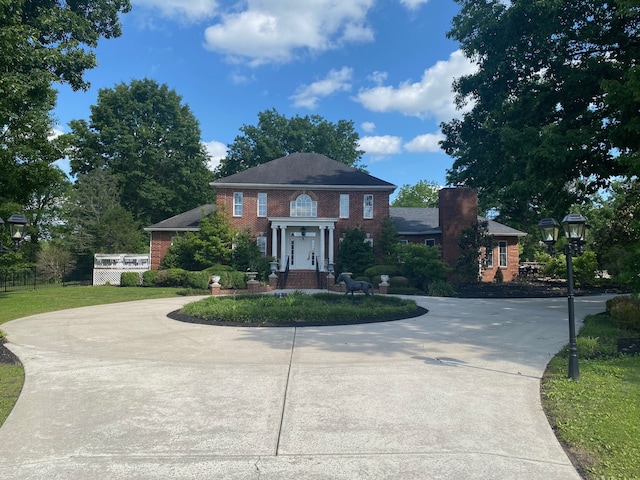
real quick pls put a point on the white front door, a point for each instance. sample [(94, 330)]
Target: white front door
[(302, 252)]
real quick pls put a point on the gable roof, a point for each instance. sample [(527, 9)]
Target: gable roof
[(425, 221), (185, 222), (303, 169)]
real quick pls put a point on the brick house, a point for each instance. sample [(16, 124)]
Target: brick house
[(298, 206)]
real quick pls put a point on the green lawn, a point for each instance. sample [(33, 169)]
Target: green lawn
[(597, 418), (24, 303)]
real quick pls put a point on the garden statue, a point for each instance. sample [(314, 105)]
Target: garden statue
[(353, 286)]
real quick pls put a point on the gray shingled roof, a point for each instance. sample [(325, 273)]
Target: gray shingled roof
[(424, 221), (304, 169), (187, 221), (415, 221)]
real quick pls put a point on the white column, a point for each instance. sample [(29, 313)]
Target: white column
[(283, 247), (332, 229), (274, 241), (322, 269)]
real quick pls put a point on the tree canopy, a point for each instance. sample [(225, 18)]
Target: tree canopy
[(555, 102), (150, 142), (42, 42), (276, 136), (422, 194)]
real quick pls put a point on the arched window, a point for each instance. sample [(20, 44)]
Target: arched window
[(303, 206)]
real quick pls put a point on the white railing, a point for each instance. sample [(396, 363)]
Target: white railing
[(107, 268)]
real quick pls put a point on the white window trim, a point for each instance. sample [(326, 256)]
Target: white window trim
[(502, 255), (489, 257), (262, 242), (262, 202), (296, 211), (367, 210), (344, 205), (238, 206), (430, 242)]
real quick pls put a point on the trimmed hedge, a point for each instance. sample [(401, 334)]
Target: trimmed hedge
[(129, 279)]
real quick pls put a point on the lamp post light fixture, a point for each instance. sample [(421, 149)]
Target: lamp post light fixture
[(17, 229), (575, 228)]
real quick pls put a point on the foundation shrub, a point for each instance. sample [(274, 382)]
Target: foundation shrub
[(129, 279), (150, 278), (441, 288)]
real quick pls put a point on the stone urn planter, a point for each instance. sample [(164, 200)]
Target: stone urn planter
[(252, 276)]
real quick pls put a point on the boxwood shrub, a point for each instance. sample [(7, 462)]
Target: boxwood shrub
[(129, 279)]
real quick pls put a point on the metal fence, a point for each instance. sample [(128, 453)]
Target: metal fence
[(31, 278)]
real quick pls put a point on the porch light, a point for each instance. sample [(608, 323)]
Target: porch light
[(303, 231), (575, 227)]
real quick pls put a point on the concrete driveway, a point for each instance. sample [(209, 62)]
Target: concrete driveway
[(122, 392)]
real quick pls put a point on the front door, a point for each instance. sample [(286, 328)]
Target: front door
[(302, 251)]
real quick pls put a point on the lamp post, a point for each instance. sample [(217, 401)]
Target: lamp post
[(17, 229), (575, 228)]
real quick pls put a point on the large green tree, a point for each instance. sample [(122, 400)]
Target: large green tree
[(150, 142), (555, 102), (422, 194), (42, 42), (275, 136)]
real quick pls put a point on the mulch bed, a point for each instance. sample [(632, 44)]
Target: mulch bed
[(7, 356)]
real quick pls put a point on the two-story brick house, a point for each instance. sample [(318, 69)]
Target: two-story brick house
[(298, 206)]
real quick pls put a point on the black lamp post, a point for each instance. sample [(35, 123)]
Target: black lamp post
[(17, 228), (575, 229)]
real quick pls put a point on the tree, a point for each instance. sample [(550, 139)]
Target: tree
[(388, 243), (246, 254), (42, 42), (150, 142), (211, 245), (96, 223), (355, 254), (422, 194), (474, 242), (276, 136), (423, 265), (554, 102)]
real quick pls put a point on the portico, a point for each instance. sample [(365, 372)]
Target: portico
[(305, 242)]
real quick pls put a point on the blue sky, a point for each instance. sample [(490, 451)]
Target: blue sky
[(384, 64)]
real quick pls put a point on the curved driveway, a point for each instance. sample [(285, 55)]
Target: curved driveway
[(121, 391)]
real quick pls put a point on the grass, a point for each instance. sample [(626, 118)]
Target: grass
[(24, 303), (298, 308), (597, 418)]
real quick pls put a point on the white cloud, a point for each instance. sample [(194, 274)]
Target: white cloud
[(217, 151), (428, 142), (335, 81), (181, 9), (273, 31), (368, 126), (55, 133), (413, 4), (430, 97), (381, 145)]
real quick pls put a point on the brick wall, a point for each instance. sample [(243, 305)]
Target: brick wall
[(160, 243), (278, 205), (510, 272), (458, 210)]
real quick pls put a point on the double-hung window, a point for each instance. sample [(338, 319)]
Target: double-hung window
[(368, 206), (237, 204), (344, 205), (262, 204), (502, 252), (262, 245)]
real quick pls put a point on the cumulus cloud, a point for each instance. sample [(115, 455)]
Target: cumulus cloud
[(413, 4), (275, 31), (381, 145), (368, 126), (429, 142), (217, 151), (335, 81), (431, 97), (191, 10)]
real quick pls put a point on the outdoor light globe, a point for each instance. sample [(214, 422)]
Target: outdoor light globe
[(549, 230), (574, 227)]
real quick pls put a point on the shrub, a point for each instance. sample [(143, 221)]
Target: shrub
[(378, 270), (235, 280), (129, 279), (149, 278), (584, 268), (196, 280), (625, 312), (440, 288), (399, 281), (422, 265), (498, 277), (404, 291), (173, 277)]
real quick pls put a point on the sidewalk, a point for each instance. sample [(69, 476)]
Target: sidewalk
[(121, 391)]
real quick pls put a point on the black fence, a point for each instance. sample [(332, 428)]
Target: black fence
[(32, 278)]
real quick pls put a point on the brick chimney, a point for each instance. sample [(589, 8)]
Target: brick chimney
[(458, 209)]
